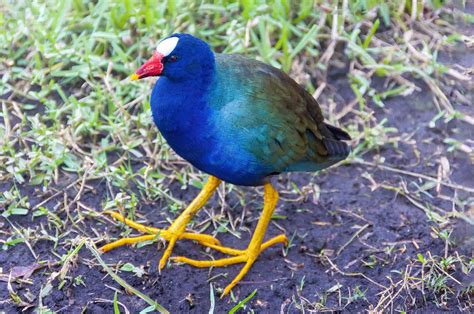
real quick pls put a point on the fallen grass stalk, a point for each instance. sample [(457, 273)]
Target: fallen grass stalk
[(114, 302), (388, 296), (122, 282), (67, 262), (335, 268), (414, 174)]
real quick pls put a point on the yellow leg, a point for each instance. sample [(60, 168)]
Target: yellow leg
[(254, 248), (176, 230)]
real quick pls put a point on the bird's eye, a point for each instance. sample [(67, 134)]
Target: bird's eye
[(173, 58)]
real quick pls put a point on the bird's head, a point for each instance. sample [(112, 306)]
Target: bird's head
[(177, 57)]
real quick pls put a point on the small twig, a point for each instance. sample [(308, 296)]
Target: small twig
[(334, 266), (81, 189), (55, 195), (319, 90), (352, 238), (435, 264)]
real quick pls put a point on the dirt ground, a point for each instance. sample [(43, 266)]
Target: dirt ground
[(354, 241)]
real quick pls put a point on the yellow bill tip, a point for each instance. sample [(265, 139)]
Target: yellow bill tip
[(134, 77)]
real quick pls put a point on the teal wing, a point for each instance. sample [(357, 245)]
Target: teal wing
[(275, 119)]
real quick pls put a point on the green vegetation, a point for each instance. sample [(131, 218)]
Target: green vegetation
[(70, 119)]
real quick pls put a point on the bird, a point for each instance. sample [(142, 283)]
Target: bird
[(240, 121)]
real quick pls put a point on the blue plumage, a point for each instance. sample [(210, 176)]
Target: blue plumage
[(239, 119)]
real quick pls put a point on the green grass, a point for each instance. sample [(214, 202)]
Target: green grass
[(70, 115), (70, 61)]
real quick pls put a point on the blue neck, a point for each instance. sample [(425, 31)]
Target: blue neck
[(181, 112)]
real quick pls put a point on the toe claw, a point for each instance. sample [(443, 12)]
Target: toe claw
[(167, 253), (227, 289)]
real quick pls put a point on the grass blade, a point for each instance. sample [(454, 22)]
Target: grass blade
[(242, 303), (304, 41), (116, 307), (371, 33), (123, 283), (212, 299)]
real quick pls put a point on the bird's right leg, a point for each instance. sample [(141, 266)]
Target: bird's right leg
[(254, 248), (177, 229)]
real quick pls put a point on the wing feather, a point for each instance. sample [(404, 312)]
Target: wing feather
[(280, 123)]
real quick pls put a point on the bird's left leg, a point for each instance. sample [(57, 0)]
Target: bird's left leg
[(177, 229), (255, 247)]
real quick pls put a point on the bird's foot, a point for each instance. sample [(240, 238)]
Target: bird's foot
[(171, 235), (247, 256)]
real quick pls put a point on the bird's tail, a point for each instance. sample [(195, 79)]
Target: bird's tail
[(338, 133), (337, 149), (335, 146)]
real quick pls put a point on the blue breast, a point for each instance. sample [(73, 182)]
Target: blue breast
[(193, 128), (182, 118)]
